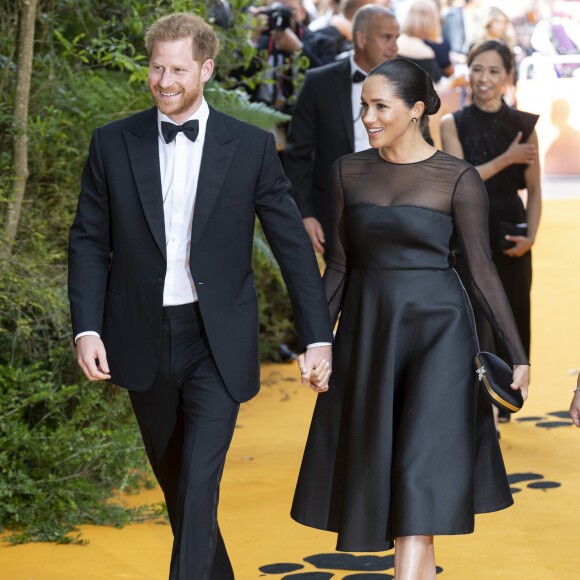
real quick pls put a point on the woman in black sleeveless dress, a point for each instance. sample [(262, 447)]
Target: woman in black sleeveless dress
[(503, 146), (403, 447)]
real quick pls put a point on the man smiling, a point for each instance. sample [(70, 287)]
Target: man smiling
[(161, 286)]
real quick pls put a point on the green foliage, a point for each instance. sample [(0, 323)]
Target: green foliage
[(34, 321), (65, 445), (276, 321), (64, 449), (237, 104)]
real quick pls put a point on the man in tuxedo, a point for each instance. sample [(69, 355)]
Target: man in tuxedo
[(161, 287), (326, 121)]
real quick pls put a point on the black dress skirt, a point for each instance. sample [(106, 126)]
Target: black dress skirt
[(404, 443)]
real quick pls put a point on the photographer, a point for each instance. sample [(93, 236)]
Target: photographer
[(281, 32)]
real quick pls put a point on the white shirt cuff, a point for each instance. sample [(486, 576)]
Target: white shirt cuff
[(315, 344), (87, 333)]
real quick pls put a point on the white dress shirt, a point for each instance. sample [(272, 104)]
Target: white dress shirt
[(180, 162), (361, 139)]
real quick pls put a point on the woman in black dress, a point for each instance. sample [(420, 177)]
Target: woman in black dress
[(502, 144), (402, 447)]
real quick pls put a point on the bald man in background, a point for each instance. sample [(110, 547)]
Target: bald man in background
[(326, 121)]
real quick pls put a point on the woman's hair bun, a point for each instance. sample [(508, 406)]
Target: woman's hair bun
[(411, 83), (432, 103)]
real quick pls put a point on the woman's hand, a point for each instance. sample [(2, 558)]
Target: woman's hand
[(521, 378), (522, 245), (521, 153)]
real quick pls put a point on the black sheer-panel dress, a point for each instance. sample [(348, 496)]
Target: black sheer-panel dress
[(403, 443), (483, 137)]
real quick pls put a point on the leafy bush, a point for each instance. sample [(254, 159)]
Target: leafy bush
[(66, 445), (63, 450)]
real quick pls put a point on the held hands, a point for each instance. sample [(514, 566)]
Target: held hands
[(92, 358), (521, 378), (316, 233), (522, 245), (521, 153), (316, 367)]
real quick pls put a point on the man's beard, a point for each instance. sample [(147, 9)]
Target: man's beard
[(178, 106)]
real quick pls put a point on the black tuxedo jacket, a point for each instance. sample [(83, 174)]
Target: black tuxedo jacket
[(117, 254), (321, 131)]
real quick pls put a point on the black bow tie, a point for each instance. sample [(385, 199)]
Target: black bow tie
[(358, 77), (189, 128)]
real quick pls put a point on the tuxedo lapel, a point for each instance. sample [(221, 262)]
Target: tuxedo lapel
[(218, 152), (343, 93), (143, 147)]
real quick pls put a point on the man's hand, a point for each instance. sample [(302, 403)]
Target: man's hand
[(316, 367), (92, 358), (521, 153), (320, 376), (316, 233)]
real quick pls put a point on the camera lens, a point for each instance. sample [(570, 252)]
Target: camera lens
[(279, 17)]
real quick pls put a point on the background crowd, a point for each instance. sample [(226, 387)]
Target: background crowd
[(436, 33), (461, 45)]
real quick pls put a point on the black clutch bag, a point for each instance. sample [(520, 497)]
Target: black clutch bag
[(510, 229), (495, 376)]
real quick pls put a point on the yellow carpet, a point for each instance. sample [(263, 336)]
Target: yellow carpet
[(538, 538)]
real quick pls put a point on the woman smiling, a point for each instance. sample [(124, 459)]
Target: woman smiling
[(402, 447), (502, 144)]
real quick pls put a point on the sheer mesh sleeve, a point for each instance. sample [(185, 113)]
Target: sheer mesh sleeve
[(335, 275), (470, 211)]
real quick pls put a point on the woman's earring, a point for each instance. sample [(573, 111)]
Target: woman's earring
[(414, 119)]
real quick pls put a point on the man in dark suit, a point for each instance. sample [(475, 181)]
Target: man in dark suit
[(326, 121), (162, 293)]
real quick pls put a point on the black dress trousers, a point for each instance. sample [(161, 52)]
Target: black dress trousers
[(187, 420)]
